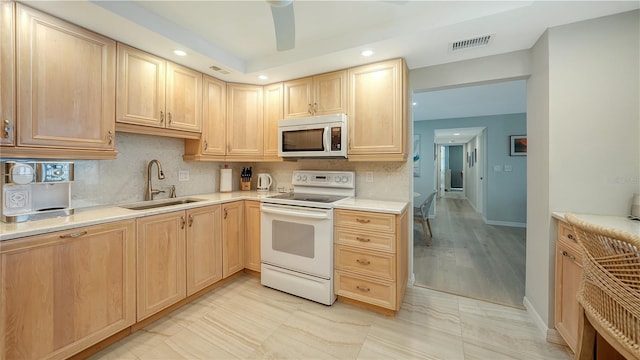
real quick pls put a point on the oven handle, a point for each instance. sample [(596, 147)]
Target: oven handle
[(301, 213)]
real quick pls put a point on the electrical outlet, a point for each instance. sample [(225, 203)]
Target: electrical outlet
[(369, 176), (183, 175), (497, 168), (508, 168)]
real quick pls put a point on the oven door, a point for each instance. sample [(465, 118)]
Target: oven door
[(298, 239)]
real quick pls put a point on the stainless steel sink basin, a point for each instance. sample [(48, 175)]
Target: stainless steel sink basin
[(158, 203)]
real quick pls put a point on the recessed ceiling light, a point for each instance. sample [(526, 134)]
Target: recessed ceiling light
[(414, 104), (180, 52), (263, 77), (367, 53), (456, 134)]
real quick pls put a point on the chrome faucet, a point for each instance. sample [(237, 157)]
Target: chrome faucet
[(150, 191)]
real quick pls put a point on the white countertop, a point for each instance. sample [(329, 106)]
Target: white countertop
[(109, 213), (615, 222)]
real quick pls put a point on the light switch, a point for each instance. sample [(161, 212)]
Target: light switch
[(497, 168), (508, 168), (369, 175)]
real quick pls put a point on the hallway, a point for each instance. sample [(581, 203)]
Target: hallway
[(468, 257)]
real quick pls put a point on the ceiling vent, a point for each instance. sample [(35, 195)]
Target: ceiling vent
[(219, 69), (471, 43)]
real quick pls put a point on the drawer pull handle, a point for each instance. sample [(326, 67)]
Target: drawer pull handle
[(564, 253), (363, 288), (73, 235), (363, 262), (363, 221), (570, 236), (183, 222), (190, 220), (362, 239)]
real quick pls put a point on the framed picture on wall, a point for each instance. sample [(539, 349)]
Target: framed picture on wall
[(475, 155), (518, 145)]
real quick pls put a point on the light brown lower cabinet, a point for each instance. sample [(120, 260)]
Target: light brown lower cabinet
[(567, 275), (204, 247), (232, 238), (252, 235), (370, 256), (64, 291)]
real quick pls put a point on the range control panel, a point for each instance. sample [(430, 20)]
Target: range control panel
[(334, 179)]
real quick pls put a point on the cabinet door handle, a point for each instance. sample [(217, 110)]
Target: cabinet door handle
[(363, 262), (110, 137), (363, 288), (362, 239), (363, 221), (190, 220), (226, 212), (6, 132), (315, 108), (565, 253), (206, 145), (228, 148), (570, 236), (161, 116), (169, 117), (183, 222), (73, 235), (309, 109)]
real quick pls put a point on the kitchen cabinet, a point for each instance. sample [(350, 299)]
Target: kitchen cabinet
[(7, 74), (244, 122), (568, 274), (212, 144), (65, 76), (232, 238), (64, 291), (378, 111), (156, 96), (316, 95), (370, 257), (252, 235), (273, 112), (204, 247), (161, 278)]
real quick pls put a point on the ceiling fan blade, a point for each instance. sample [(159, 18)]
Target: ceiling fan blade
[(285, 25)]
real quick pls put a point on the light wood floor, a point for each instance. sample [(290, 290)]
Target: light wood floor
[(244, 320), (468, 257)]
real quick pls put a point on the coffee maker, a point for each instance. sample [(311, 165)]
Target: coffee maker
[(35, 190)]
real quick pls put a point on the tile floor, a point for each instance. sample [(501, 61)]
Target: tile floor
[(244, 320)]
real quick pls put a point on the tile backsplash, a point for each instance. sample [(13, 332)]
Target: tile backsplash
[(107, 182)]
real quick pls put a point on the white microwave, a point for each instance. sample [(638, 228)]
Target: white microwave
[(323, 136)]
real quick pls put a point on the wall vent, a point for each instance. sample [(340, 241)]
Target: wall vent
[(219, 69), (471, 43)]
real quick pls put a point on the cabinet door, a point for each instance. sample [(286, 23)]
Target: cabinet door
[(330, 93), (232, 238), (204, 247), (568, 275), (214, 117), (64, 291), (298, 98), (141, 87), (7, 74), (273, 112), (161, 262), (184, 98), (376, 109), (252, 235), (66, 78), (244, 120)]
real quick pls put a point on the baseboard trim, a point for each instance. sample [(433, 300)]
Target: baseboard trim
[(553, 336), (542, 326), (505, 223)]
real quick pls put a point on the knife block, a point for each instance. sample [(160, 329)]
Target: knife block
[(245, 185)]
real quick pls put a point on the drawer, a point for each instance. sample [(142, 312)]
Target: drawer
[(369, 221), (565, 231), (365, 240), (569, 249), (380, 293), (367, 263)]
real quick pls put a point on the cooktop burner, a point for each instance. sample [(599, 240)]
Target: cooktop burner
[(309, 197)]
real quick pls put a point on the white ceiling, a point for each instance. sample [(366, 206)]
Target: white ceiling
[(239, 36), (456, 136)]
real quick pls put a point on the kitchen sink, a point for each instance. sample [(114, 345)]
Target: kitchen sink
[(158, 203)]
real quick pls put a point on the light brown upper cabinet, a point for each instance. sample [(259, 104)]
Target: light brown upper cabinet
[(317, 95), (65, 76), (157, 97), (378, 112), (273, 112), (7, 74), (212, 144), (244, 122)]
